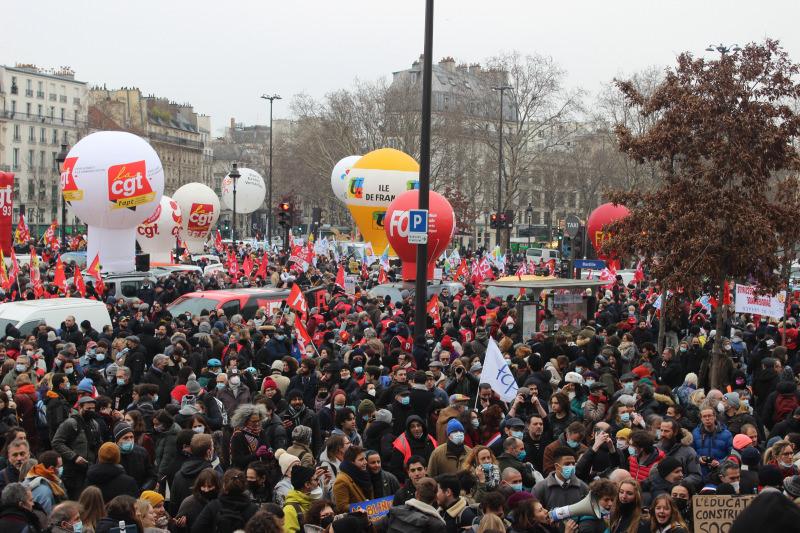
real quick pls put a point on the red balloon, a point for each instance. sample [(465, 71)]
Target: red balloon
[(599, 219), (441, 226)]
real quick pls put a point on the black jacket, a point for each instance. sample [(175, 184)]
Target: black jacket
[(108, 523), (135, 359), (165, 383), (112, 481), (241, 504), (14, 519), (183, 481), (411, 518), (137, 464)]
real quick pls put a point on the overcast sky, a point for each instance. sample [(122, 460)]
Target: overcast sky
[(221, 56)]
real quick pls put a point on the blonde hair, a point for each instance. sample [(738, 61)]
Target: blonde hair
[(491, 522), (143, 508), (471, 459)]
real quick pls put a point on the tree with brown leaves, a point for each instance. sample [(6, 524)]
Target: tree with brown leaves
[(724, 143)]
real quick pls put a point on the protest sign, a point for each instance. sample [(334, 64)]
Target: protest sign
[(375, 509), (767, 305), (497, 374), (715, 514)]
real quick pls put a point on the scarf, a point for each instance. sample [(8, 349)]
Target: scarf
[(39, 470), (252, 440), (360, 477), (28, 388), (455, 449)]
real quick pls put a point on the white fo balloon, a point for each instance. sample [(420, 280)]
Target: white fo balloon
[(113, 180), (199, 213), (340, 176), (250, 191), (157, 235)]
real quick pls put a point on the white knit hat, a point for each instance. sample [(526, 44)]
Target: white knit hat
[(285, 460)]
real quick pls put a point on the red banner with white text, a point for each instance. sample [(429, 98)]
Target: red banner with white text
[(6, 208)]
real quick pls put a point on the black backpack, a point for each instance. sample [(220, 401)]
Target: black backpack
[(301, 519), (229, 520)]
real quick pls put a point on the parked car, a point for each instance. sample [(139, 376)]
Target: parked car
[(240, 301), (27, 315)]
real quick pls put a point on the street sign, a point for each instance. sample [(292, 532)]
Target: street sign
[(594, 264), (572, 226), (417, 238), (417, 221)]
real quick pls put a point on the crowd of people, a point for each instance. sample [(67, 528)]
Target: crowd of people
[(216, 423)]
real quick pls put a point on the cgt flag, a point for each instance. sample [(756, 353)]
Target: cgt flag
[(497, 374)]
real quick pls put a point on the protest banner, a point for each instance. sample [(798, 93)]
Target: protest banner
[(767, 305), (715, 514), (375, 509), (497, 374)]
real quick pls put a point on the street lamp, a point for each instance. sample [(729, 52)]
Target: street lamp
[(529, 212), (269, 189), (234, 174), (502, 89), (722, 49), (60, 158)]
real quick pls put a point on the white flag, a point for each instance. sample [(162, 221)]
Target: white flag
[(497, 373)]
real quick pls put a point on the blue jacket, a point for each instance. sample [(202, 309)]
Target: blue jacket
[(716, 445)]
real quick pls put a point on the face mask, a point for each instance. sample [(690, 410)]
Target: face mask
[(316, 494), (683, 349), (457, 438), (365, 418), (579, 369), (625, 417), (77, 527), (100, 356), (622, 444), (681, 504), (476, 423), (785, 465), (280, 337), (572, 443), (521, 455), (589, 382), (735, 485), (59, 362), (571, 396), (631, 451), (155, 398), (126, 447), (567, 471), (721, 407), (253, 486), (371, 392), (209, 495), (21, 368), (658, 434), (517, 487), (515, 434), (628, 387), (359, 369), (727, 348), (120, 382), (67, 371), (220, 386), (60, 471), (325, 522), (235, 382), (405, 400)]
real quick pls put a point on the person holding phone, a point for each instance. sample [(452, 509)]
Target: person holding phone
[(601, 457)]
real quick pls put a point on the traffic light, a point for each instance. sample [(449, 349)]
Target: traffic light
[(577, 243), (285, 214), (501, 221), (509, 219), (493, 222)]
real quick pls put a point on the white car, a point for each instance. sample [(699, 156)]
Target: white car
[(27, 315)]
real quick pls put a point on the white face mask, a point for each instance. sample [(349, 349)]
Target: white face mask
[(735, 485), (234, 381), (316, 494)]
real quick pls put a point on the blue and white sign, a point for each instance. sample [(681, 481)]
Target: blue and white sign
[(594, 264), (418, 221)]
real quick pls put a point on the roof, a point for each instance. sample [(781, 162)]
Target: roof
[(540, 282), (55, 302)]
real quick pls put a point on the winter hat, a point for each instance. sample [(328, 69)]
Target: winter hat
[(750, 458), (574, 377), (108, 454), (769, 476), (204, 327), (517, 498), (152, 497), (269, 383), (285, 459), (300, 476), (383, 415), (691, 379), (301, 434), (277, 365), (791, 485), (86, 385), (122, 429), (193, 387), (732, 399), (624, 433), (641, 371), (741, 441), (454, 425), (667, 465), (627, 400), (366, 407)]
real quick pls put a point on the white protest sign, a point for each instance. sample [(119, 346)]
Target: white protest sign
[(748, 302), (496, 373)]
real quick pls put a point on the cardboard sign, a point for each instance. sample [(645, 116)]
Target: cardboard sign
[(715, 514), (350, 284), (375, 509), (767, 305)]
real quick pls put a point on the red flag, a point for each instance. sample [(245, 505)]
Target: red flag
[(433, 311), (80, 285), (247, 265), (303, 338), (14, 266), (36, 275), (23, 234), (726, 294), (340, 277), (59, 278), (233, 265), (364, 271), (218, 243), (262, 268), (94, 271), (382, 277), (638, 276), (462, 270), (551, 265), (296, 300), (522, 270)]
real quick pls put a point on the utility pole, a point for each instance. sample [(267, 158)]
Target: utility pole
[(269, 187), (502, 89)]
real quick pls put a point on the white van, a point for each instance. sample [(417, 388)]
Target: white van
[(542, 254), (26, 315)]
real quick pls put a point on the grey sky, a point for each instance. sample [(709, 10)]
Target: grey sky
[(220, 56)]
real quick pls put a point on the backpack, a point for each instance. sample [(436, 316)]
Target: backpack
[(41, 415), (301, 519), (229, 520), (785, 404)]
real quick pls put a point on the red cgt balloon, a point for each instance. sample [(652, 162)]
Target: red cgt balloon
[(441, 226), (600, 218)]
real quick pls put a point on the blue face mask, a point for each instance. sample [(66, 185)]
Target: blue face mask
[(126, 447), (628, 387), (625, 417), (220, 386), (516, 487), (631, 451), (120, 382), (405, 400), (476, 423), (567, 471), (572, 443), (517, 434), (77, 527), (521, 455), (100, 356), (60, 471)]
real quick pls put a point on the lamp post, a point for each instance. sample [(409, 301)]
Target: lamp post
[(60, 158), (234, 174), (502, 89), (269, 188), (529, 212)]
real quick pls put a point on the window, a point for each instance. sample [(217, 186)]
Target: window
[(54, 162), (28, 108), (55, 136), (31, 134), (42, 135), (14, 88), (13, 106), (230, 308), (52, 112), (129, 288), (30, 158), (15, 159), (65, 137), (16, 133), (39, 110), (62, 115)]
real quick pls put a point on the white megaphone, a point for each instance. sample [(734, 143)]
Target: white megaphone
[(586, 507)]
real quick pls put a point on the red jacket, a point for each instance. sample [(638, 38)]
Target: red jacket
[(640, 472)]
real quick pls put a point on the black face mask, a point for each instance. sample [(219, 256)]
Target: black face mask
[(254, 486), (325, 522), (681, 504), (210, 495)]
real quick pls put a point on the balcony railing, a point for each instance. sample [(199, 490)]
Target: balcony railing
[(28, 92), (30, 117), (40, 94), (53, 97), (14, 89), (197, 145)]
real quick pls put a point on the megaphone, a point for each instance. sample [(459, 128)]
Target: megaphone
[(586, 507)]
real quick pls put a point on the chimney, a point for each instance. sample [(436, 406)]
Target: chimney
[(233, 123), (475, 69), (448, 63)]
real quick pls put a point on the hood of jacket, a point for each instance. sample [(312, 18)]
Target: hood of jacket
[(192, 467), (239, 502), (103, 473), (786, 387), (415, 418), (298, 497), (376, 429)]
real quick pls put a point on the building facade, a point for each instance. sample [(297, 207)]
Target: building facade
[(40, 109)]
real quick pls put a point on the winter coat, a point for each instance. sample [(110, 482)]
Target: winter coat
[(166, 449), (413, 517), (347, 491), (294, 499), (137, 465), (302, 452), (405, 445), (15, 519), (275, 432), (640, 470), (685, 453), (765, 382), (551, 493), (76, 437), (164, 381), (445, 460), (378, 436), (716, 445), (547, 460), (107, 523), (191, 507), (183, 481), (458, 516), (112, 480), (57, 410), (207, 520)]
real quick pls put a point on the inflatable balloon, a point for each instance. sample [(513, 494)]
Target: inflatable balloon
[(199, 212), (340, 175), (441, 226), (250, 191), (601, 217), (158, 234), (113, 180), (374, 182)]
